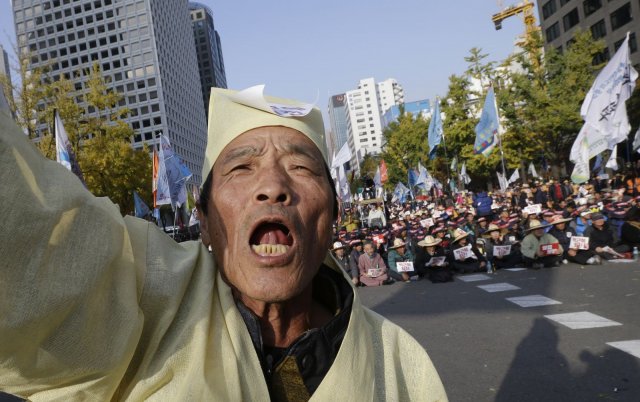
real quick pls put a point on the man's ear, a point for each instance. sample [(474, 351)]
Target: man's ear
[(204, 227)]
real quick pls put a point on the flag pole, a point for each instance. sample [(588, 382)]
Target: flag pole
[(504, 170)]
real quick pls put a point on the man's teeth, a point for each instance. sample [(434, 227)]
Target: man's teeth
[(270, 249)]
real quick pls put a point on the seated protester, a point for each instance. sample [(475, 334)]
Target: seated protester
[(474, 262), (373, 271), (534, 254), (399, 253), (481, 227), (563, 233), (433, 259), (354, 258), (441, 233), (582, 222), (630, 231), (342, 259), (515, 232), (601, 235), (512, 259)]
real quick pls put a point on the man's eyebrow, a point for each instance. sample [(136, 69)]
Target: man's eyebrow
[(296, 149), (240, 153)]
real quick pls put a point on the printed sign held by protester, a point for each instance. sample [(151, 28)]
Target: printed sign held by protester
[(501, 251), (435, 262), (406, 266), (549, 249), (463, 253), (579, 243), (374, 272), (379, 239), (426, 223), (533, 209)]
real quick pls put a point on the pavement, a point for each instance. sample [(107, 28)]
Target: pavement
[(570, 333)]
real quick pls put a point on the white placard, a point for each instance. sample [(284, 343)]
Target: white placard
[(533, 209), (501, 251), (463, 253), (435, 262), (426, 223), (436, 214), (374, 272), (406, 266), (579, 243)]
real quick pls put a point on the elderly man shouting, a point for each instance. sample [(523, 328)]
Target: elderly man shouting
[(99, 307)]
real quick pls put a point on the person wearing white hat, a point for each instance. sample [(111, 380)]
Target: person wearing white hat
[(101, 307), (400, 253), (342, 259), (496, 239), (564, 233), (466, 256), (540, 249), (433, 259)]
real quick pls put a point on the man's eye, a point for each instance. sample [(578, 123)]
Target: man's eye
[(240, 168)]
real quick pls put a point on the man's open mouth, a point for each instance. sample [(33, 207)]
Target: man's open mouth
[(271, 239)]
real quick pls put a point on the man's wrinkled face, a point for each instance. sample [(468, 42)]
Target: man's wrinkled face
[(270, 213), (368, 248)]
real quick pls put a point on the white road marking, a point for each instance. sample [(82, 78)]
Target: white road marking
[(631, 347), (582, 320), (532, 301), (474, 278), (498, 287)]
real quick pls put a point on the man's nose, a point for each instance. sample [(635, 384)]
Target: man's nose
[(273, 187)]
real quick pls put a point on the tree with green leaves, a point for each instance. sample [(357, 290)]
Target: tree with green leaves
[(542, 106), (405, 145), (101, 141)]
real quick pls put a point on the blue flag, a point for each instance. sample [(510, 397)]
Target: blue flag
[(64, 152), (435, 130), (176, 171), (413, 177), (141, 208), (488, 126), (400, 192)]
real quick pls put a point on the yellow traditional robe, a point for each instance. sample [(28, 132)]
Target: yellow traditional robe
[(98, 307)]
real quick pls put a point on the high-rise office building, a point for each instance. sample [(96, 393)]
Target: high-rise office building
[(6, 71), (145, 51), (208, 50), (364, 123), (338, 115), (390, 93), (609, 20)]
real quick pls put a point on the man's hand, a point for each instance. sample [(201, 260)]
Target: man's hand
[(599, 250), (355, 281), (572, 252), (483, 264)]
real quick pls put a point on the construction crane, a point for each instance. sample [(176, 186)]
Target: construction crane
[(526, 9)]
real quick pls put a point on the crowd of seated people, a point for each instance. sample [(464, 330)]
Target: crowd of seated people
[(535, 226)]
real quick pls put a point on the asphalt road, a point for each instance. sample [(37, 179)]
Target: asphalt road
[(487, 348)]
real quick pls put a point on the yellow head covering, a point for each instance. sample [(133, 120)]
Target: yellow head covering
[(229, 118)]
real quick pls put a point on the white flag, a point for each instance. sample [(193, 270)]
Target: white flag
[(514, 176), (376, 178), (344, 192), (344, 156), (503, 181), (532, 170), (464, 177), (612, 163), (636, 141), (604, 106)]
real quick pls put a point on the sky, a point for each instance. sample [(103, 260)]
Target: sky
[(309, 50)]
